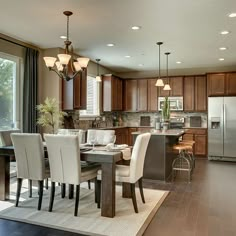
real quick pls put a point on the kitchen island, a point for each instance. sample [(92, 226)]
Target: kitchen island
[(160, 154)]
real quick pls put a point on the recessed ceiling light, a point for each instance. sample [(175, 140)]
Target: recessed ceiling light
[(233, 14), (224, 32), (127, 56), (221, 59), (222, 48), (178, 62), (63, 37), (110, 45), (135, 27), (140, 64)]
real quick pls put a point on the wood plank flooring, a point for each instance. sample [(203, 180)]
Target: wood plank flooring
[(205, 207)]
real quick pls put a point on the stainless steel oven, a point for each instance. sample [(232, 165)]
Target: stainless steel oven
[(176, 103)]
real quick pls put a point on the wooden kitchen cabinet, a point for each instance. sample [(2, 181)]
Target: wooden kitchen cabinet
[(200, 138), (189, 101), (230, 84), (121, 135), (195, 94), (200, 93), (131, 91), (216, 84), (152, 95), (142, 95), (176, 84), (112, 93), (74, 92), (130, 136), (161, 92)]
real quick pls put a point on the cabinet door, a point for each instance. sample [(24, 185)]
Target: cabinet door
[(216, 84), (231, 84), (176, 84), (161, 92), (106, 93), (130, 95), (113, 93), (119, 95), (142, 95), (189, 93), (200, 145), (130, 136), (200, 93), (152, 95)]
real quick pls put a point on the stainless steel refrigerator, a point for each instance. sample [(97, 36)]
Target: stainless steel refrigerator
[(222, 128)]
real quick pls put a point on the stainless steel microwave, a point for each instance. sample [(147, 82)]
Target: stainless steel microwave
[(176, 103)]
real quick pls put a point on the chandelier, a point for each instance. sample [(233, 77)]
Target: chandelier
[(66, 67)]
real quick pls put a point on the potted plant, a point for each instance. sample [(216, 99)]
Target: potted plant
[(166, 113), (50, 115)]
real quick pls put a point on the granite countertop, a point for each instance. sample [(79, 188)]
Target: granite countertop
[(127, 126), (170, 132), (194, 127)]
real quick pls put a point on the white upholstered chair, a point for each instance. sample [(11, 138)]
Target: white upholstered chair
[(103, 137), (79, 132), (5, 136), (134, 172), (65, 165), (30, 162)]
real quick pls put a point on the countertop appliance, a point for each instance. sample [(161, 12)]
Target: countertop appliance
[(176, 103), (222, 128)]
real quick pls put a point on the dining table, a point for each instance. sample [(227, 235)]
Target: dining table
[(107, 159)]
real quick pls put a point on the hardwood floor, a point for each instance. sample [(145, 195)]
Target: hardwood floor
[(206, 206)]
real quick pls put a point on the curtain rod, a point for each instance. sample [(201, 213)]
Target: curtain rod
[(16, 43)]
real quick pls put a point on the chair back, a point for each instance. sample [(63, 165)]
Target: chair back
[(138, 156), (5, 137), (103, 137), (79, 132), (29, 154), (64, 158)]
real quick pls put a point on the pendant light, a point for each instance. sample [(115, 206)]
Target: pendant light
[(159, 82), (167, 86), (98, 77)]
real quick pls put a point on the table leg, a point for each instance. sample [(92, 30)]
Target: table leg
[(126, 190), (108, 190), (4, 177)]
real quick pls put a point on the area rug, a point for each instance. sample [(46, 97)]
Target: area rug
[(89, 220)]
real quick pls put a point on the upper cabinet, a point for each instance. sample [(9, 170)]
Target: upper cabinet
[(112, 93), (176, 84), (216, 84), (221, 84), (152, 95), (195, 94), (136, 95), (74, 92)]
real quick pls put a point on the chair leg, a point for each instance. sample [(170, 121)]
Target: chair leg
[(52, 196), (19, 184), (30, 187), (98, 193), (140, 183), (77, 200), (134, 197), (96, 190), (40, 184), (89, 184), (63, 190), (46, 183), (71, 191)]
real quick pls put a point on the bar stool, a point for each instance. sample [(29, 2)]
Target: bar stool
[(189, 152), (182, 162)]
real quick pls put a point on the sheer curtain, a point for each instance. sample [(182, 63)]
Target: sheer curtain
[(30, 93)]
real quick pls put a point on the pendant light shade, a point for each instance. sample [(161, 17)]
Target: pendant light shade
[(98, 77), (159, 82)]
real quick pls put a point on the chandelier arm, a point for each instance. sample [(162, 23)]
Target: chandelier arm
[(58, 73), (77, 72)]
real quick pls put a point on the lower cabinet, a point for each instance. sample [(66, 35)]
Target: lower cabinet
[(121, 135), (200, 138)]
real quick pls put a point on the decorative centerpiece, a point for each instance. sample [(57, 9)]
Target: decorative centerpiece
[(166, 114), (50, 115)]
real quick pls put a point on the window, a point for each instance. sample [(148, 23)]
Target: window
[(92, 98), (9, 92)]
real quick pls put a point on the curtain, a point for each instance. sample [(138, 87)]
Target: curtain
[(30, 91)]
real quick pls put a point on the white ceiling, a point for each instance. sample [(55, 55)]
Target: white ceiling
[(189, 29)]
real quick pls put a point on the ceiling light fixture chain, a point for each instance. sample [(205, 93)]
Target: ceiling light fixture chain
[(159, 82), (66, 67), (167, 86)]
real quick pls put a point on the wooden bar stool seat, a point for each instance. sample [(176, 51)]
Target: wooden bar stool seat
[(189, 152)]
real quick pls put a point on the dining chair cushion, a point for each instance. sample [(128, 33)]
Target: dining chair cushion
[(103, 137)]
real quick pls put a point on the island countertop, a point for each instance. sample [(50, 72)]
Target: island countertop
[(169, 132)]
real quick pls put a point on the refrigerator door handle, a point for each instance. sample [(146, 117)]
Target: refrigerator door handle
[(224, 118)]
